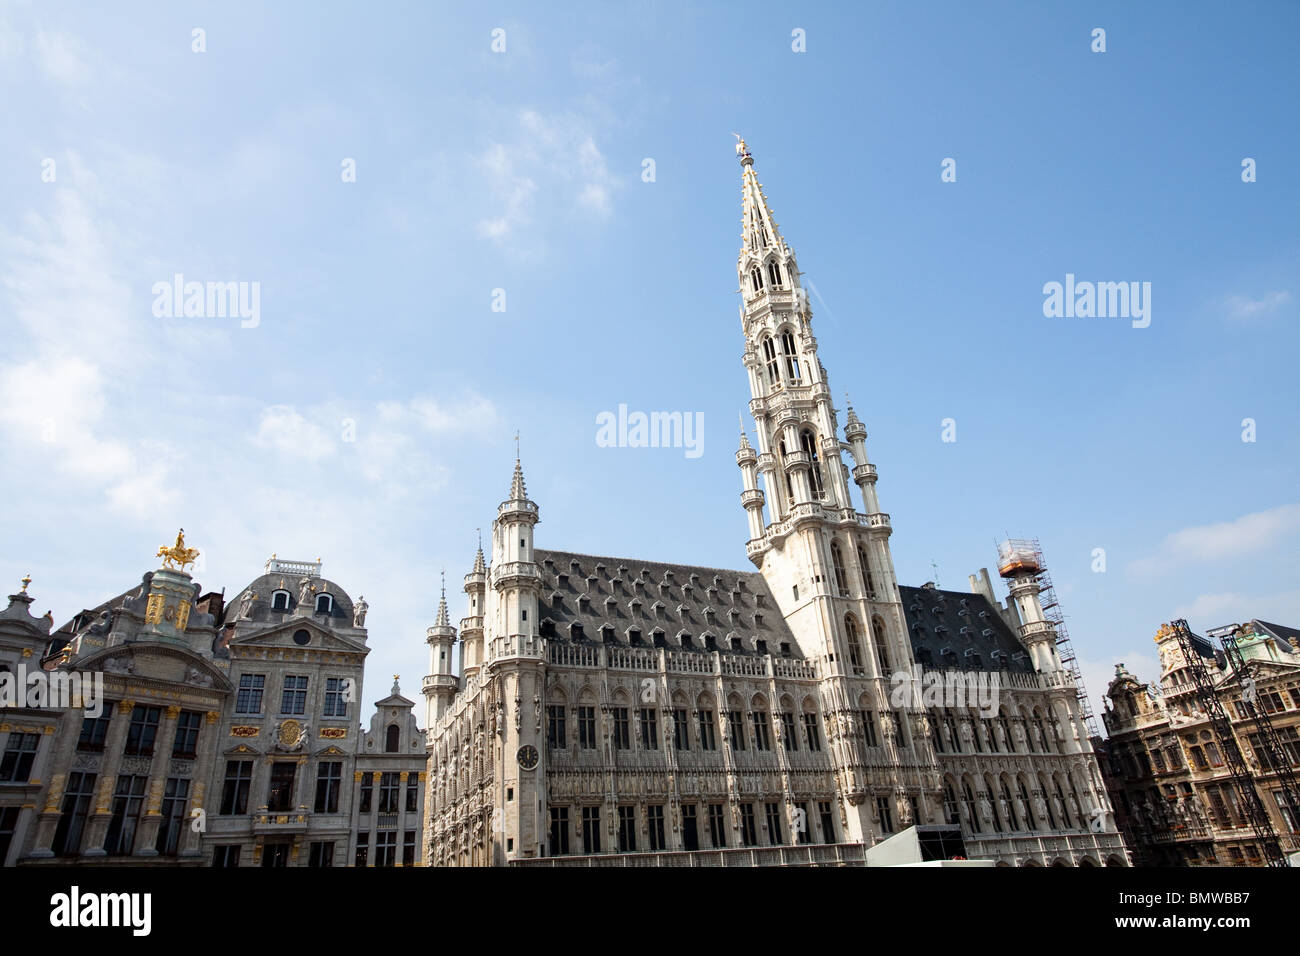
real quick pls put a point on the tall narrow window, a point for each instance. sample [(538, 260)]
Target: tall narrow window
[(769, 357), (791, 356), (868, 582), (279, 796), (809, 444), (128, 802), (649, 728), (757, 277), (234, 793), (392, 736), (812, 732), (841, 577), (855, 645), (77, 796), (555, 736), (175, 795), (882, 651), (774, 274), (329, 780)]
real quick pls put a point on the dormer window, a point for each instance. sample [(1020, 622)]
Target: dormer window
[(324, 603), (280, 601)]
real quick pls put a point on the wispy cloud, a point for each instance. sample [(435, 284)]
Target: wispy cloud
[(1231, 607), (546, 167), (1214, 542), (1243, 307)]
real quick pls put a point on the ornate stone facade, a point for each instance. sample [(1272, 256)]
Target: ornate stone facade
[(611, 705), (1174, 795), (228, 735)]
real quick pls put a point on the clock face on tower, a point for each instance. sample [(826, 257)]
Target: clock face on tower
[(527, 757)]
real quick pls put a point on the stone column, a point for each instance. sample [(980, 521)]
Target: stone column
[(191, 841), (147, 834), (97, 824)]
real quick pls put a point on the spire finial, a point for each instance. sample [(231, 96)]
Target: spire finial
[(742, 150), (27, 579), (516, 444), (444, 582)]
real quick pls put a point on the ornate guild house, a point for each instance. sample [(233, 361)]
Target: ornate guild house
[(616, 710), (226, 734)]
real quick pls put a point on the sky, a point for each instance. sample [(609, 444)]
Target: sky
[(455, 236)]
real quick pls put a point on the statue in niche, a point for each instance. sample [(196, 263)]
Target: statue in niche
[(359, 612)]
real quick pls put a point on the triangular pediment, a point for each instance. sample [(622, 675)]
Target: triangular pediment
[(282, 635), (242, 750)]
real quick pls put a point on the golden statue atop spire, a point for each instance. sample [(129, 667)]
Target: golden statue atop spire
[(178, 554)]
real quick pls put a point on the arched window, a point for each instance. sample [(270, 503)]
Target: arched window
[(809, 443), (855, 644), (841, 578), (391, 739), (769, 357), (774, 274), (791, 355), (280, 601), (868, 582), (882, 652), (756, 276), (324, 604)]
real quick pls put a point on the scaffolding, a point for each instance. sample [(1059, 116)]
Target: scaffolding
[(1242, 780), (1269, 751), (1025, 556)]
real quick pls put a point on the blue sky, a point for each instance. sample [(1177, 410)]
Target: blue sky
[(522, 171)]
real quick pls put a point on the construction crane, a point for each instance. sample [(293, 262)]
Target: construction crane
[(1242, 780)]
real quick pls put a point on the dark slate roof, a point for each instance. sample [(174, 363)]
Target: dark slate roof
[(621, 593), (961, 622), (1279, 630), (266, 585)]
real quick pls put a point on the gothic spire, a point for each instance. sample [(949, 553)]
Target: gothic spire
[(442, 620), (760, 230), (517, 490), (480, 566)]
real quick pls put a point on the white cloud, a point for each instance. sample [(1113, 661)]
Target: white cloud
[(1231, 607), (63, 58), (546, 159), (284, 430), (1215, 542), (1242, 307)]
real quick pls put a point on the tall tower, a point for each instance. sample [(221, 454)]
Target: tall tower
[(514, 675), (828, 564), (440, 685), (471, 627)]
